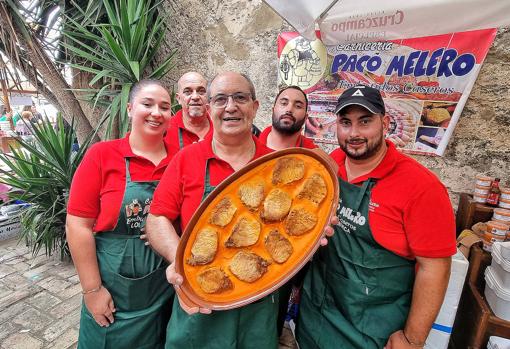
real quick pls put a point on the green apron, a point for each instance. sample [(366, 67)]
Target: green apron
[(251, 326), (135, 277), (356, 293)]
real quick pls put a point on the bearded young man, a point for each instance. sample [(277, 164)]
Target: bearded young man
[(381, 280), (289, 116)]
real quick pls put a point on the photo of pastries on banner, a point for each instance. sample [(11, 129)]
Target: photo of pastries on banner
[(259, 228), (437, 113)]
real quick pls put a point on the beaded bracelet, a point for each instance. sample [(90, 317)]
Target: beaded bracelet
[(417, 345), (92, 290)]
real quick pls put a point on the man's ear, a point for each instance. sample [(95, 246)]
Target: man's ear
[(386, 123), (129, 107), (178, 98), (256, 105)]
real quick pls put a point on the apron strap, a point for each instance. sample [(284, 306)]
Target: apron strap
[(207, 181), (366, 187), (128, 174), (181, 141)]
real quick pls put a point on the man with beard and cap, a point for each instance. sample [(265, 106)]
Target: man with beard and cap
[(191, 123), (381, 280), (289, 116)]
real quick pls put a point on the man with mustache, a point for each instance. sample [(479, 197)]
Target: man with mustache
[(381, 280), (192, 122), (193, 174), (289, 116)]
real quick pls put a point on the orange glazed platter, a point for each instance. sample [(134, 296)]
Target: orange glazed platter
[(257, 229)]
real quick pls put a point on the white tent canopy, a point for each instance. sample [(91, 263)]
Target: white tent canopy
[(343, 21)]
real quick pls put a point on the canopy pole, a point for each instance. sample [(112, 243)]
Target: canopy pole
[(327, 9)]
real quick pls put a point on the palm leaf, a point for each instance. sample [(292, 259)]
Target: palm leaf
[(118, 53), (40, 173)]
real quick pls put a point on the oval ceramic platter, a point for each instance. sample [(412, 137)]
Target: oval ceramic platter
[(257, 229)]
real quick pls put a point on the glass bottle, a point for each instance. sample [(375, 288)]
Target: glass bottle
[(494, 193)]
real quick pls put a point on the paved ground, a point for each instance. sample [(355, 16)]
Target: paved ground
[(40, 301)]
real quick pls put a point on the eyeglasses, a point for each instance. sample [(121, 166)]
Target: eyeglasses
[(221, 100)]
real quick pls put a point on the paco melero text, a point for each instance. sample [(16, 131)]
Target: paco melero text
[(441, 62)]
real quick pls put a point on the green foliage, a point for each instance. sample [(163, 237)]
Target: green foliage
[(40, 174), (175, 104), (123, 49)]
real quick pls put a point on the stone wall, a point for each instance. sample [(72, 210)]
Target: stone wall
[(214, 36)]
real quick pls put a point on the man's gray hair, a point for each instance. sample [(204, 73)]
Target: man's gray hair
[(250, 84)]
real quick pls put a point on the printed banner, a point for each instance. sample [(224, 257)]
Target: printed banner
[(425, 82), (348, 21)]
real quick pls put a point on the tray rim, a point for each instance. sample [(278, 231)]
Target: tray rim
[(186, 293)]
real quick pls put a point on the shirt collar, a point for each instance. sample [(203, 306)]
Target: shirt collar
[(125, 147), (264, 134), (127, 152), (385, 166), (178, 120), (206, 146)]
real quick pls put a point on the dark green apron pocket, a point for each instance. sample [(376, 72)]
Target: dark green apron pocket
[(374, 310), (380, 319), (313, 285), (150, 329), (139, 293), (92, 336), (106, 243)]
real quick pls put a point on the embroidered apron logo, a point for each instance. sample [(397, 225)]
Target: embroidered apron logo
[(136, 212)]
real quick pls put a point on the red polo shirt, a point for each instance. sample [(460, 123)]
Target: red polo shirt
[(307, 142), (410, 212), (98, 185), (181, 188), (188, 137)]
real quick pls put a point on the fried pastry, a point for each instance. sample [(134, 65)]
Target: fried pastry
[(278, 246), (314, 189), (223, 212), (288, 170), (438, 115), (245, 233), (276, 206), (214, 280), (248, 266), (300, 221), (251, 194), (204, 248)]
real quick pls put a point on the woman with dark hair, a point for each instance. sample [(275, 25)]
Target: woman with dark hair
[(126, 298)]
